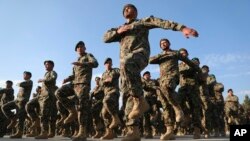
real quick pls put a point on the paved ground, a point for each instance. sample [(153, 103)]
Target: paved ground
[(178, 138)]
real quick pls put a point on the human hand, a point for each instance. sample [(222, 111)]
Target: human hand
[(123, 29), (189, 32)]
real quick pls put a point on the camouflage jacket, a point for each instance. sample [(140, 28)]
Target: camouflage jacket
[(168, 61), (50, 80), (97, 94), (24, 92), (6, 95), (113, 86), (149, 87), (232, 101), (188, 75), (83, 74), (136, 39)]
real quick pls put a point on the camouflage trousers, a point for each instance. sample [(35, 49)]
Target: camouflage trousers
[(81, 91), (96, 109), (48, 109), (33, 108), (110, 107), (20, 112), (150, 117), (168, 98), (131, 66), (3, 123), (188, 97)]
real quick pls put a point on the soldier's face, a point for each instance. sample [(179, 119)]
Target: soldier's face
[(81, 49), (183, 53), (204, 70), (164, 45), (108, 65), (130, 13), (26, 76), (97, 81), (230, 93), (48, 66), (147, 76)]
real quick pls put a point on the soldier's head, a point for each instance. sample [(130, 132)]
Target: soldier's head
[(49, 65), (165, 44), (196, 61), (129, 11), (146, 75), (9, 84), (80, 48), (205, 69), (27, 75), (108, 63), (38, 89), (230, 92), (183, 52), (97, 80)]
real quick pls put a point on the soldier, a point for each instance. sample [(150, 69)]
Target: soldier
[(169, 79), (110, 84), (149, 90), (97, 96), (32, 109), (232, 107), (81, 80), (213, 110), (219, 100), (6, 95), (23, 96), (188, 94), (134, 56), (47, 102)]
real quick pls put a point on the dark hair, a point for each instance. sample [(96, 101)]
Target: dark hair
[(79, 43), (129, 5), (28, 73), (165, 39), (49, 61), (230, 90), (205, 66), (107, 60), (9, 82), (146, 72)]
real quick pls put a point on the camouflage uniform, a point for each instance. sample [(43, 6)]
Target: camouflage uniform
[(149, 89), (232, 108), (97, 96), (134, 55), (81, 80), (6, 96), (23, 96), (188, 94), (218, 89), (47, 103), (213, 111)]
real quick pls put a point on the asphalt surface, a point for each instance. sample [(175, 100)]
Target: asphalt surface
[(178, 138)]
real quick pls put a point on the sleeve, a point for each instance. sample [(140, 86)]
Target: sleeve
[(155, 59), (111, 36), (71, 77), (153, 22), (25, 84), (92, 62)]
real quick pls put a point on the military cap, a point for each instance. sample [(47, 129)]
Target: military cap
[(146, 72), (205, 66), (195, 59), (107, 60), (28, 73), (129, 5), (49, 61), (79, 43)]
